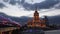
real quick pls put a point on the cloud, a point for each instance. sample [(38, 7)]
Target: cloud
[(50, 12), (42, 5), (34, 1), (46, 4), (13, 2), (19, 10), (57, 6), (22, 1), (15, 11), (2, 5)]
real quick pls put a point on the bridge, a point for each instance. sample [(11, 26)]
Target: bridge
[(8, 29)]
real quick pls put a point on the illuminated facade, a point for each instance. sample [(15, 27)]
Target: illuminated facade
[(36, 21)]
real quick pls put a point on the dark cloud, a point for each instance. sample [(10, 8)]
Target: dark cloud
[(22, 1), (5, 0), (2, 5), (13, 2), (43, 5)]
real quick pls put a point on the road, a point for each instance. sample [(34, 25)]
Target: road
[(52, 32)]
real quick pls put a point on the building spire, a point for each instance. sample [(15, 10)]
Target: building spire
[(36, 8)]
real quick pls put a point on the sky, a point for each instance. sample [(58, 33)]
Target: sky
[(20, 8)]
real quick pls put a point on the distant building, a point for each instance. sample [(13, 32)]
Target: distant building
[(36, 21), (46, 20)]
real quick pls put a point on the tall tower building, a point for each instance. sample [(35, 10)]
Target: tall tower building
[(36, 17), (36, 21)]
